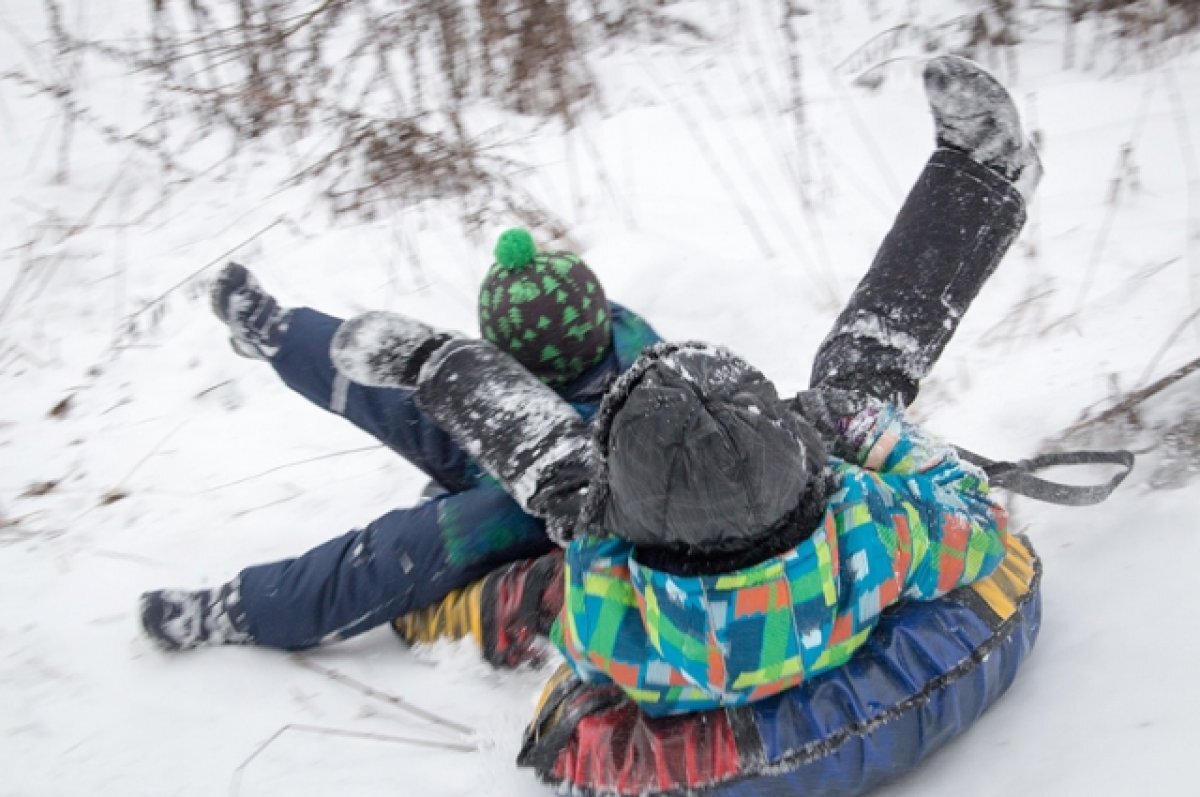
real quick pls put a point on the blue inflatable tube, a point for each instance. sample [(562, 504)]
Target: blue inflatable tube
[(925, 675)]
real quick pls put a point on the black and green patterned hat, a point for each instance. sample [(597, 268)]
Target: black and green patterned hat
[(546, 309)]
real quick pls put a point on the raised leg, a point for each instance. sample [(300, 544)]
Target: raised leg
[(956, 225), (296, 343), (388, 414)]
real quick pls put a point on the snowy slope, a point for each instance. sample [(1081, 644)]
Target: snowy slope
[(692, 218)]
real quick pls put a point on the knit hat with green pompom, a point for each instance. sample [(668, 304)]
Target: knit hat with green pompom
[(547, 310)]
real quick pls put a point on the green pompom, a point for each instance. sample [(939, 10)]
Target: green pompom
[(515, 249)]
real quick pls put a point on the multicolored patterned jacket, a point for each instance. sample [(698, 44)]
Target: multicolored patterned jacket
[(907, 520)]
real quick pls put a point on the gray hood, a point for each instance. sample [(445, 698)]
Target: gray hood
[(697, 454)]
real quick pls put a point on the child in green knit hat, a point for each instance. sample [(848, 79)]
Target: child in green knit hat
[(549, 311), (546, 310)]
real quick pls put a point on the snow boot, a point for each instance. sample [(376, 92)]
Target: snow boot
[(520, 604), (256, 321), (505, 612), (182, 620), (974, 114)]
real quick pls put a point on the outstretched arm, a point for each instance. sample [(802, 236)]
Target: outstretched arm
[(518, 429)]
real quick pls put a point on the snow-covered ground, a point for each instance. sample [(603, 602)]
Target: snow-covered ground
[(161, 459)]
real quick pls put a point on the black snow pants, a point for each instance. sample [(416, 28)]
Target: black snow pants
[(954, 228)]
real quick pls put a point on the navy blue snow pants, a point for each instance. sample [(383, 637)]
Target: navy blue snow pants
[(408, 558)]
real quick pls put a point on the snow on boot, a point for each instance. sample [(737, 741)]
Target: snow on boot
[(256, 321), (382, 349), (181, 619), (973, 113)]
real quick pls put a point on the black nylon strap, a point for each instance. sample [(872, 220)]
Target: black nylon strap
[(1019, 477)]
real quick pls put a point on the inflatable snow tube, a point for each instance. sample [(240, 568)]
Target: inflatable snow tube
[(924, 676)]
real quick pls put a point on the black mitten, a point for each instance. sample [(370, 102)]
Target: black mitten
[(520, 431), (523, 433), (830, 410)]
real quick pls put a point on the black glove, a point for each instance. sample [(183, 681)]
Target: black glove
[(829, 410)]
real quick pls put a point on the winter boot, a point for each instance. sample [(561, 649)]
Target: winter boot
[(182, 620), (256, 321), (520, 604), (974, 114), (505, 612)]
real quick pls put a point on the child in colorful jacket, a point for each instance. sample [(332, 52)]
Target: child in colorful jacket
[(723, 544), (900, 517)]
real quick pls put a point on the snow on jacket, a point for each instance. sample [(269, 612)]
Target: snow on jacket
[(906, 520)]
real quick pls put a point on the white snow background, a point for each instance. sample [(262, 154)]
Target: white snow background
[(682, 196)]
